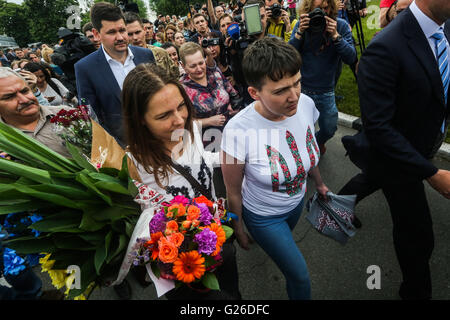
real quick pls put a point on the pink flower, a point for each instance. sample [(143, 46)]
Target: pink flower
[(180, 199)]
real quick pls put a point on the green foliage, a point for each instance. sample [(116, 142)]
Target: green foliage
[(88, 216), (177, 7), (14, 22)]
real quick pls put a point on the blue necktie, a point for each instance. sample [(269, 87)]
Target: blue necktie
[(442, 59)]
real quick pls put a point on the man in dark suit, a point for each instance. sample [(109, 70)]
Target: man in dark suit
[(100, 75), (403, 82)]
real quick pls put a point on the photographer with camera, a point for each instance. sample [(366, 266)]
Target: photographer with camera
[(278, 22), (201, 26), (322, 40), (238, 38)]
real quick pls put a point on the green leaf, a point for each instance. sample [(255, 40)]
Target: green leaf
[(95, 238), (86, 181), (11, 138), (21, 170), (209, 280), (24, 206), (155, 269), (112, 186), (114, 213), (88, 275), (74, 193), (228, 231), (30, 244), (101, 253), (64, 221), (89, 224), (79, 158), (121, 245), (124, 174), (52, 198), (71, 242)]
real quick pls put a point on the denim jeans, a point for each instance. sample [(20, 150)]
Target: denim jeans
[(326, 104), (274, 235)]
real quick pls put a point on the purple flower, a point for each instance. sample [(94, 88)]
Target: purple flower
[(158, 222), (206, 240), (205, 215)]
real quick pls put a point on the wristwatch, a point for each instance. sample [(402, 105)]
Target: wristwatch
[(338, 38)]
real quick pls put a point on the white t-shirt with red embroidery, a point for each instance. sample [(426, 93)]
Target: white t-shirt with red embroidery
[(277, 155)]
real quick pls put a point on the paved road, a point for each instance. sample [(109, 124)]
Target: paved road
[(337, 272)]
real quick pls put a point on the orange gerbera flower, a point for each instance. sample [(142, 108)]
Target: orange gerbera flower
[(221, 237), (189, 266)]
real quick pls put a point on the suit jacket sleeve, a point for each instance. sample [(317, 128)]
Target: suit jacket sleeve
[(85, 89), (378, 74)]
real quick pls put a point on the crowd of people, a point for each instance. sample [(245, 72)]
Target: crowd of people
[(144, 81)]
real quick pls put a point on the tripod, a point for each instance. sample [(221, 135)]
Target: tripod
[(359, 30)]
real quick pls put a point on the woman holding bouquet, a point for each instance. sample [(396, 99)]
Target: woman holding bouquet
[(269, 149), (162, 136)]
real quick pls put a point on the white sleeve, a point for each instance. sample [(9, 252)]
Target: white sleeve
[(61, 87)]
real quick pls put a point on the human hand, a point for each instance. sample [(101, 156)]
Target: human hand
[(341, 5), (242, 237), (440, 181), (304, 22), (230, 111), (322, 190), (217, 120), (332, 27), (4, 155), (30, 79), (363, 12)]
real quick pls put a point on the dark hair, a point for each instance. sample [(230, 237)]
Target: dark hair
[(222, 58), (87, 27), (269, 58), (104, 11), (199, 15), (35, 67), (146, 21), (139, 87), (131, 17)]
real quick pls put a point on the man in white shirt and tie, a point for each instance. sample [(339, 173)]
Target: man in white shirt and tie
[(403, 80)]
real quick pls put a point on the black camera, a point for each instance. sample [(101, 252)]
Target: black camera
[(317, 21), (276, 10), (236, 101), (197, 7), (210, 42)]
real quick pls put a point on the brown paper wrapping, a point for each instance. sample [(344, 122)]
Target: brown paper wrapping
[(107, 151)]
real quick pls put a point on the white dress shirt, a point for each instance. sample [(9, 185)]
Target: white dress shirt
[(428, 26), (120, 70)]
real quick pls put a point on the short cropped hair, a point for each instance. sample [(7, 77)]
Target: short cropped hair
[(189, 48), (269, 58), (131, 17), (105, 11), (87, 27)]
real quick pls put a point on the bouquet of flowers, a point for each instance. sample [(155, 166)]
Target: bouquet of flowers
[(186, 240), (75, 127), (76, 213)]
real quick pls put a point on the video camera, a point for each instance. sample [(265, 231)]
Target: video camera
[(210, 42), (241, 31), (317, 21)]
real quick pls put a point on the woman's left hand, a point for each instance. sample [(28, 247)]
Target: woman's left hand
[(322, 191)]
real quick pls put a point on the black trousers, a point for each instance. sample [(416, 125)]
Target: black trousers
[(412, 230)]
